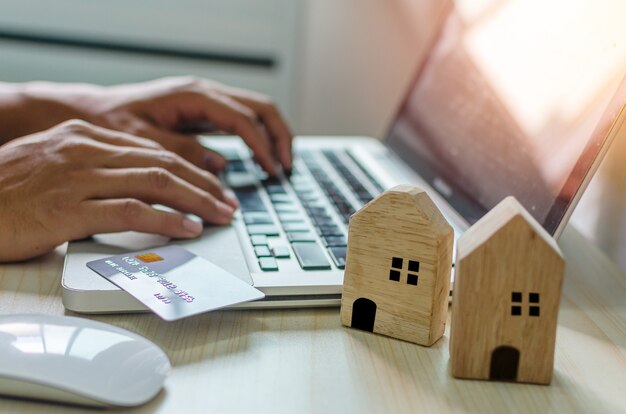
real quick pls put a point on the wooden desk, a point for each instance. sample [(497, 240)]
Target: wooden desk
[(304, 361)]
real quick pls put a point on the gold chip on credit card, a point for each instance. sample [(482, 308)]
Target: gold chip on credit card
[(149, 257)]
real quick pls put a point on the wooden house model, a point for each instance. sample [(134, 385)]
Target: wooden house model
[(398, 264), (507, 288)]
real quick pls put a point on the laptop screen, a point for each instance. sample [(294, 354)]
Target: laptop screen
[(515, 98)]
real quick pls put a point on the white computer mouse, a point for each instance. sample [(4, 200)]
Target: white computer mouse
[(78, 361)]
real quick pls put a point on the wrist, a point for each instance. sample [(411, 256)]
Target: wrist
[(56, 102), (30, 107)]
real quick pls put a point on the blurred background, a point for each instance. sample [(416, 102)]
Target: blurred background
[(333, 67)]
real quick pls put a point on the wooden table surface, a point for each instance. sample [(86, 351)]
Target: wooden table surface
[(305, 361)]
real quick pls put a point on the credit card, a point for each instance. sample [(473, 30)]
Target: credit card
[(173, 282)]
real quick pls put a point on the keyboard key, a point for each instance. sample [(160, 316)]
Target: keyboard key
[(281, 252), (338, 255), (281, 198), (290, 218), (257, 217), (303, 188), (262, 251), (260, 173), (345, 209), (364, 195), (231, 154), (323, 220), (308, 196), (317, 211), (331, 230), (311, 256), (293, 227), (268, 264), (259, 240), (250, 200), (275, 189), (266, 229), (241, 179), (355, 184), (236, 165), (366, 172), (299, 179), (312, 204), (271, 181), (286, 208), (332, 241), (339, 200), (301, 237)]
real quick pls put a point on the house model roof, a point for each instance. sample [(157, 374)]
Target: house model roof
[(495, 220), (402, 196)]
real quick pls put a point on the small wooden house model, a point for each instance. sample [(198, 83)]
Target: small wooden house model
[(507, 288), (398, 264)]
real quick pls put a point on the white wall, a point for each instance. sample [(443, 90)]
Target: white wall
[(356, 59)]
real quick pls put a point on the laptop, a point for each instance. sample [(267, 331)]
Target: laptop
[(508, 101)]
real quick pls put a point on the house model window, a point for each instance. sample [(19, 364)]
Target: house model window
[(396, 270), (516, 307), (533, 309)]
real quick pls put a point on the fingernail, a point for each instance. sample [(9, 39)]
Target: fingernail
[(224, 209), (192, 227)]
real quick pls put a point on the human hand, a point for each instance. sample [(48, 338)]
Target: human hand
[(162, 109), (76, 180)]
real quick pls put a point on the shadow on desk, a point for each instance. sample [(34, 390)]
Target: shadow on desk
[(420, 377)]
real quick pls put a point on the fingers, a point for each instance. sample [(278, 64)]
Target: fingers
[(228, 114), (117, 165), (142, 152), (145, 158), (168, 105), (111, 216), (107, 136), (188, 148), (272, 119), (158, 186)]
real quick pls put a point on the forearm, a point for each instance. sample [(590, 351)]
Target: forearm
[(29, 107)]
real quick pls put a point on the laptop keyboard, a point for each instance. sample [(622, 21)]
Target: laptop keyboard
[(304, 217)]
